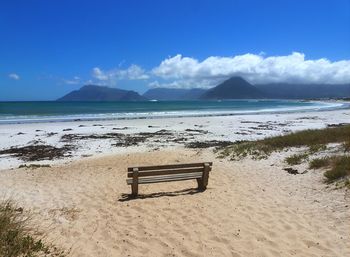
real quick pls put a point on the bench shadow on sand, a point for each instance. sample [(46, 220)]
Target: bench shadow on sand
[(189, 191)]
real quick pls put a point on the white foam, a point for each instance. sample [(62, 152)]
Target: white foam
[(316, 106)]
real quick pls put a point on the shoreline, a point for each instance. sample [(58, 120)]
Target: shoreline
[(89, 138), (327, 106)]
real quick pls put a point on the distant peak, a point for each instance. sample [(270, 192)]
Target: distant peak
[(233, 88), (237, 79), (101, 93), (92, 86)]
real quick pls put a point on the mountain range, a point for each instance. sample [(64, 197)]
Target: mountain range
[(233, 88), (99, 93)]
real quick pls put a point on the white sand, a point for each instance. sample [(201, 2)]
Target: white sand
[(231, 128), (249, 209)]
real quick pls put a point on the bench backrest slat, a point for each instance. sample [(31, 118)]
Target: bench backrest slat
[(166, 172), (172, 166)]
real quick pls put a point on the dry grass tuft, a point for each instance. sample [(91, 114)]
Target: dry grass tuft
[(17, 237)]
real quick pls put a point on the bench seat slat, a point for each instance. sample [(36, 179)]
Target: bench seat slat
[(166, 172), (172, 166), (167, 178)]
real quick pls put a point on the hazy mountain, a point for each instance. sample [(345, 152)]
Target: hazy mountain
[(304, 91), (173, 94), (99, 93), (233, 88)]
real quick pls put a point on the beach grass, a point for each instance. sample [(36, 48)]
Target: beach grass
[(318, 163), (17, 237), (346, 145), (316, 140), (296, 159), (340, 168)]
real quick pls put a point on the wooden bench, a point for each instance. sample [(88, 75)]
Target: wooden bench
[(168, 173)]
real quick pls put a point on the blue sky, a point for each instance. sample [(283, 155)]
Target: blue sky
[(48, 48)]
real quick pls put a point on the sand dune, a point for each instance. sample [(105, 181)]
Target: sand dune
[(247, 210)]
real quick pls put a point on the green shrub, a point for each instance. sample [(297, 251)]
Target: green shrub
[(296, 159), (16, 237), (320, 162), (316, 148), (340, 169)]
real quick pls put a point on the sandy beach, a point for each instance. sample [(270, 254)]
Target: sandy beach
[(251, 208), (175, 128), (98, 138)]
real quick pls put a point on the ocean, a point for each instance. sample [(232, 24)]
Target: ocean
[(50, 111)]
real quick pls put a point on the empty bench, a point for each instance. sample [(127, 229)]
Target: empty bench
[(169, 173)]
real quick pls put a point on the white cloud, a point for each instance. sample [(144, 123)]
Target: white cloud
[(187, 72), (110, 77), (14, 76), (185, 83), (76, 80), (256, 69), (99, 74)]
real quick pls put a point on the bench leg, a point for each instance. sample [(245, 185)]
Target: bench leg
[(203, 182), (201, 186), (134, 189), (135, 182)]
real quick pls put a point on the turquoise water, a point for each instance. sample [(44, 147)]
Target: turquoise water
[(19, 112)]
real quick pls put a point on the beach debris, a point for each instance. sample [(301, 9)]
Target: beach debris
[(308, 118), (207, 144), (248, 121), (67, 129), (162, 132), (123, 128), (197, 131), (34, 166), (129, 141), (75, 137), (50, 134), (35, 142), (20, 133), (263, 127), (38, 152), (121, 139), (291, 171), (337, 125), (240, 133), (162, 136)]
